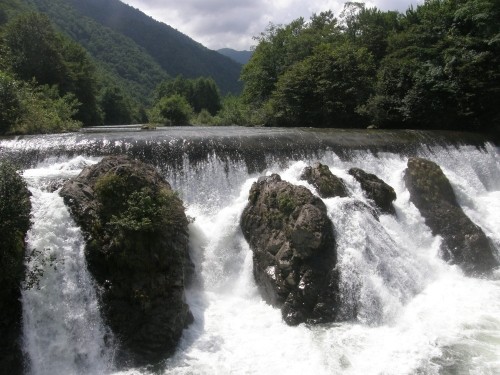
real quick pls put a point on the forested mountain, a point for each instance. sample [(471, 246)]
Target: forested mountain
[(60, 69), (121, 60), (135, 46), (241, 57)]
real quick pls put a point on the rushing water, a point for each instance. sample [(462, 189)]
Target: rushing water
[(416, 314)]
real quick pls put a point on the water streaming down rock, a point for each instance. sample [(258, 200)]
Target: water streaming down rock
[(63, 330), (414, 313)]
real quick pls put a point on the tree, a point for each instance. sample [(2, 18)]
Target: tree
[(10, 103), (115, 106), (325, 89), (35, 51), (370, 28), (174, 110), (279, 48), (29, 109), (201, 93), (80, 79), (441, 70), (206, 96)]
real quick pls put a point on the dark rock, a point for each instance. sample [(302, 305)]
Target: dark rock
[(326, 183), (375, 189), (464, 243), (15, 210), (137, 250), (293, 244)]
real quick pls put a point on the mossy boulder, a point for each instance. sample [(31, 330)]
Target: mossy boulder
[(375, 189), (464, 243), (294, 252), (137, 250), (15, 209), (325, 182)]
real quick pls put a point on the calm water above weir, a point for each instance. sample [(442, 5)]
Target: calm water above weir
[(416, 314)]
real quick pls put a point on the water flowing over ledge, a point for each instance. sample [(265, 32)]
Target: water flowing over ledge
[(170, 147), (415, 313)]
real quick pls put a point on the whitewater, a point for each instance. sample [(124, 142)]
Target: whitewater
[(416, 313)]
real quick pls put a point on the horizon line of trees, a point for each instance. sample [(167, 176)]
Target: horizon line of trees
[(433, 67), (49, 83)]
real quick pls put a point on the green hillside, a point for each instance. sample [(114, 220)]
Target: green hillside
[(135, 47), (241, 57), (118, 57)]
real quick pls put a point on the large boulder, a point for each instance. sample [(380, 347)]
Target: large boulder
[(375, 189), (15, 209), (293, 244), (325, 182), (137, 250), (464, 243)]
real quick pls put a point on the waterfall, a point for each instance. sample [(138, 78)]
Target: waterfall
[(415, 314), (63, 330)]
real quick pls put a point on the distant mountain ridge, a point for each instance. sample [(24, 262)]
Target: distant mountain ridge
[(136, 48), (241, 57)]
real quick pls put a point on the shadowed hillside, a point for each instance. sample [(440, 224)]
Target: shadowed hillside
[(135, 47)]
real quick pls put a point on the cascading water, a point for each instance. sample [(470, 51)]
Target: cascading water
[(63, 330), (415, 313)]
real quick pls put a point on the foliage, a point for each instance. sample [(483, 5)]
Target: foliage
[(147, 211), (233, 112), (325, 89), (125, 208), (171, 110), (44, 111), (116, 106), (15, 208), (203, 118), (435, 66), (201, 93), (10, 102), (135, 49), (441, 68), (35, 52), (29, 109), (279, 48), (111, 190)]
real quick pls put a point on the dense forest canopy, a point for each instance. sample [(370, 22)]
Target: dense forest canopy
[(67, 63), (137, 47), (436, 66)]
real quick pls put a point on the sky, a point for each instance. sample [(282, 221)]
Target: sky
[(233, 23)]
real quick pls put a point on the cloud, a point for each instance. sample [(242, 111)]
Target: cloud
[(234, 23)]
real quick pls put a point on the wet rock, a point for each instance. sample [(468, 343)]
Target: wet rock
[(137, 250), (375, 189), (326, 183), (294, 251), (15, 208), (464, 243)]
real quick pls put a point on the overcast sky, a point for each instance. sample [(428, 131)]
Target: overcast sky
[(232, 23)]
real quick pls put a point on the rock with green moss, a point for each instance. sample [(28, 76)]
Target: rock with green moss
[(294, 250), (326, 183), (464, 243), (375, 189), (15, 208), (137, 250)]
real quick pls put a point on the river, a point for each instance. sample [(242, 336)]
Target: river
[(416, 313)]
